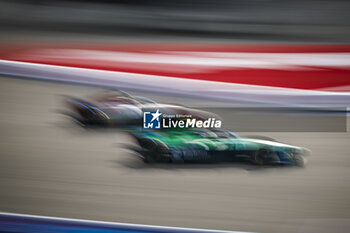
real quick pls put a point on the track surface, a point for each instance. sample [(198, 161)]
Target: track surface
[(48, 166)]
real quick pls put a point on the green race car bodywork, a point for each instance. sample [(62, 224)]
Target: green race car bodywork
[(198, 145)]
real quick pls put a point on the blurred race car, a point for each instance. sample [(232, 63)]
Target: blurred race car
[(210, 146), (118, 109)]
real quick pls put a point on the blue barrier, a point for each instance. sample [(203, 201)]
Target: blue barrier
[(10, 222)]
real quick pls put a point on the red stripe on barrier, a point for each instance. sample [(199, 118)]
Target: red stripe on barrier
[(188, 61)]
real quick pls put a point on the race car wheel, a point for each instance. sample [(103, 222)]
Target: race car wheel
[(147, 144), (151, 148), (156, 150), (176, 156), (298, 160), (264, 157)]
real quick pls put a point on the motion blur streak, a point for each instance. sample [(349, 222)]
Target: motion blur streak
[(325, 67), (11, 222), (258, 64), (218, 91), (219, 20), (50, 167)]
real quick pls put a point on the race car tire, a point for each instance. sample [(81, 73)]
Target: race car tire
[(264, 157), (298, 160), (157, 151), (151, 147)]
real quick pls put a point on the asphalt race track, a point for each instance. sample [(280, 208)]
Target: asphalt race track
[(49, 166)]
